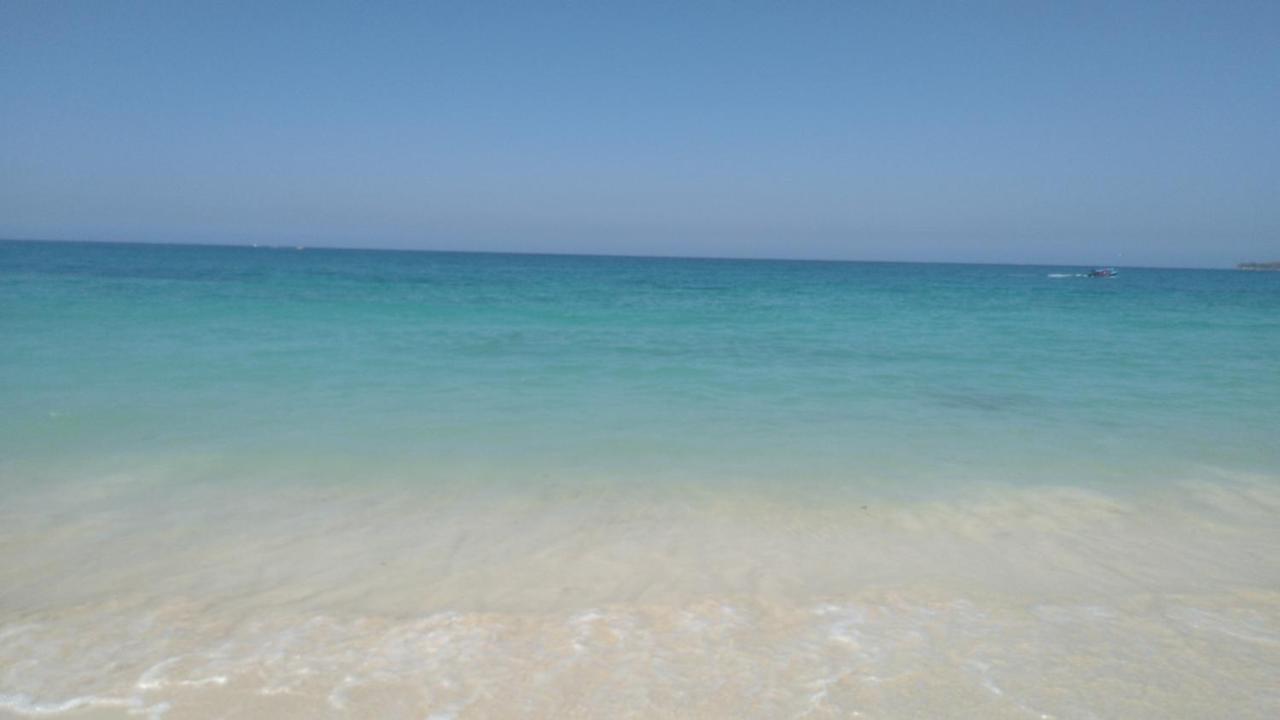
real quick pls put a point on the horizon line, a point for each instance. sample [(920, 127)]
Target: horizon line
[(345, 248)]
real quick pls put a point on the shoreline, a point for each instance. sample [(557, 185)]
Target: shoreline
[(1042, 600)]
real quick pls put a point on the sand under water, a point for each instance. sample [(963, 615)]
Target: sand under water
[(336, 602)]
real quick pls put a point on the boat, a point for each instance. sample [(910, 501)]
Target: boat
[(1102, 272)]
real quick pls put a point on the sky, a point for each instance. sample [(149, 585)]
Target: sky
[(1125, 133)]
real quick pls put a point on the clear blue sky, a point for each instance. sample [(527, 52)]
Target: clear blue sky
[(1110, 133)]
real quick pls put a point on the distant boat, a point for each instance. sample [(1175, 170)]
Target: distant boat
[(1102, 273)]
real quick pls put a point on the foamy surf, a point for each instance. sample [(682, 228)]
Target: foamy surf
[(1019, 602), (884, 654)]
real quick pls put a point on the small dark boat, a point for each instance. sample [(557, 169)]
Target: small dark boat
[(1103, 272)]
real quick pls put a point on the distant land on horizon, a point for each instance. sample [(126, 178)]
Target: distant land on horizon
[(1274, 265)]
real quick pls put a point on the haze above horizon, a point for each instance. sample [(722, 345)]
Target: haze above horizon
[(1129, 134)]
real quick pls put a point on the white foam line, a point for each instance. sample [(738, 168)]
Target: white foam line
[(23, 705), (151, 679), (215, 680)]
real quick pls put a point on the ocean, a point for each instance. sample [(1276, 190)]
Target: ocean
[(286, 482)]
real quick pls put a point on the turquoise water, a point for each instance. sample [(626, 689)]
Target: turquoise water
[(261, 482), (891, 377)]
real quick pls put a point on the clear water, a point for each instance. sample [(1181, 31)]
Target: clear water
[(882, 375), (504, 455)]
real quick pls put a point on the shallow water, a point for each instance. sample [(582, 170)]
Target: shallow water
[(280, 483)]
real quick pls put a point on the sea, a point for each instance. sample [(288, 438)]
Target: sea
[(288, 482)]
